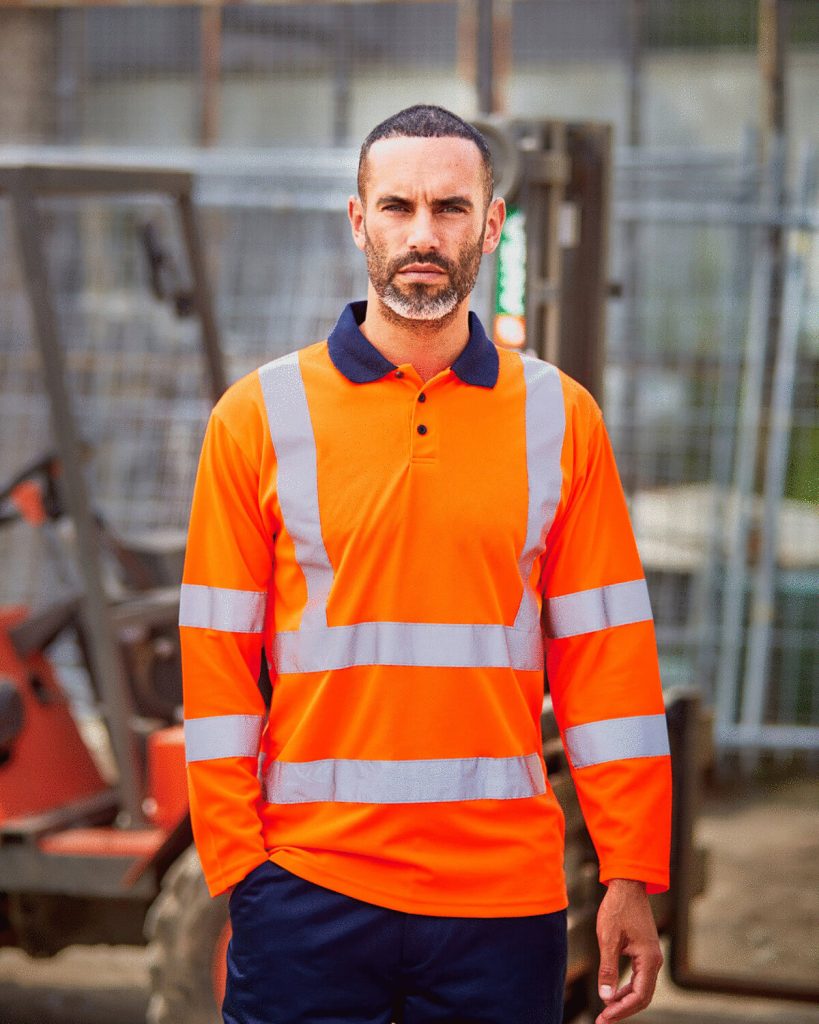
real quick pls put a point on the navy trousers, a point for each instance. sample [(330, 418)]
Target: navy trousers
[(302, 954)]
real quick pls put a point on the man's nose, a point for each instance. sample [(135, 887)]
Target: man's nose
[(422, 233)]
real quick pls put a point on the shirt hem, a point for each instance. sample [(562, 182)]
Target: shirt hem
[(432, 908), (226, 880)]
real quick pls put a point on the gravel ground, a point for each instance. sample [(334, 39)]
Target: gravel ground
[(758, 917)]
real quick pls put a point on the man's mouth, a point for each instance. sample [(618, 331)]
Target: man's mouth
[(427, 272)]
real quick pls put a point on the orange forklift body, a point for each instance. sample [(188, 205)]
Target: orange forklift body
[(51, 765)]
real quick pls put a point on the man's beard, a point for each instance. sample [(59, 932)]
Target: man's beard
[(417, 300)]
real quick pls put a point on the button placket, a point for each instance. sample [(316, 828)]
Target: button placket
[(424, 430)]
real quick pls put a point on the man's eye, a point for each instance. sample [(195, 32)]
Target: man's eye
[(394, 206), (453, 208)]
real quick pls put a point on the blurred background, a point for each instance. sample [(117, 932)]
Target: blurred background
[(709, 349)]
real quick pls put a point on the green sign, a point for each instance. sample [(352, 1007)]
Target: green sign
[(510, 289)]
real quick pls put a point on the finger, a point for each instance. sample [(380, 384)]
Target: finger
[(630, 998), (620, 1009), (609, 972), (644, 975), (624, 989)]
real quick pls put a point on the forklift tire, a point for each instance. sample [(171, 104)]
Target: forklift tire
[(186, 931)]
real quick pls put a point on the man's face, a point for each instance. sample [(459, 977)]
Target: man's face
[(423, 224)]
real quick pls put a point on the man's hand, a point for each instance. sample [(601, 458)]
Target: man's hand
[(625, 924)]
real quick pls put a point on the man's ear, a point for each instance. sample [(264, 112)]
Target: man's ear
[(355, 211), (495, 216)]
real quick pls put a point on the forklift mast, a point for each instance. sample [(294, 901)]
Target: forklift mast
[(24, 184), (553, 257)]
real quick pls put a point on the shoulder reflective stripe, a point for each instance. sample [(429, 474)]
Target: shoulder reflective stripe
[(588, 610), (408, 643), (233, 611), (545, 429), (615, 739), (291, 431), (404, 782), (222, 736)]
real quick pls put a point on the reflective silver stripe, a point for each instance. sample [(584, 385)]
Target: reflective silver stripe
[(545, 429), (234, 611), (291, 431), (408, 643), (222, 736), (599, 608), (616, 739), (405, 782)]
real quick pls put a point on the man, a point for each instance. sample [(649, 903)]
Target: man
[(402, 519)]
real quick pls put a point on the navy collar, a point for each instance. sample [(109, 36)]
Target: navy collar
[(362, 363)]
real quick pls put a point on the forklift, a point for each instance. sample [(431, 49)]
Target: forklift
[(91, 856)]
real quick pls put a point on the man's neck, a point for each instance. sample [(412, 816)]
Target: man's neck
[(428, 345)]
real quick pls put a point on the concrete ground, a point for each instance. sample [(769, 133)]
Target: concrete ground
[(759, 916)]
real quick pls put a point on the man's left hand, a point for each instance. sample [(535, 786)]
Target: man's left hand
[(625, 925)]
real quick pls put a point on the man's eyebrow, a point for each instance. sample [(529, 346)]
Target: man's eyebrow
[(445, 201), (453, 201), (392, 199)]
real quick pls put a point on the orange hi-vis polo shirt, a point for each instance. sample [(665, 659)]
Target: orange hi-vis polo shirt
[(407, 555)]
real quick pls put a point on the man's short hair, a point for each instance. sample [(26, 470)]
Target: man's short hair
[(424, 121)]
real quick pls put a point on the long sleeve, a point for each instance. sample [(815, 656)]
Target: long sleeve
[(602, 664), (228, 563)]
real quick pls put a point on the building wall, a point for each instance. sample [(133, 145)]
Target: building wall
[(689, 100)]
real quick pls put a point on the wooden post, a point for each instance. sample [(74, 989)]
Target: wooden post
[(485, 57), (210, 82), (484, 50), (502, 28), (772, 73), (28, 63), (773, 164)]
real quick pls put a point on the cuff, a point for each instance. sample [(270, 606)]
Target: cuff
[(655, 881)]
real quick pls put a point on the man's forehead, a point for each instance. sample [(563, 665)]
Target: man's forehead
[(444, 166)]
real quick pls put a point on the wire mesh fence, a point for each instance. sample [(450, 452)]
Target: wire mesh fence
[(713, 428), (282, 266), (690, 216)]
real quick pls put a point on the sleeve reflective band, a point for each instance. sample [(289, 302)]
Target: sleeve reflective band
[(616, 739), (232, 611), (405, 782), (222, 736), (291, 431), (599, 608)]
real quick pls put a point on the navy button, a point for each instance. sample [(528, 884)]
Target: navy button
[(421, 428), (422, 397), (399, 373)]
